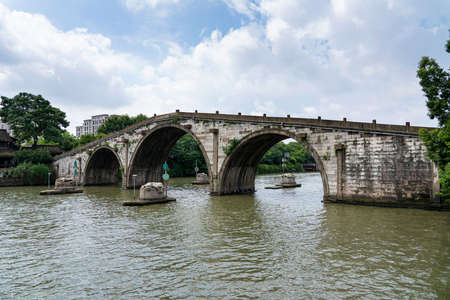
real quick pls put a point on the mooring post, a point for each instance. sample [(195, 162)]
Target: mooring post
[(134, 186)]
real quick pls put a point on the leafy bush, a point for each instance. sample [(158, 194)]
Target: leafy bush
[(32, 174), (39, 156)]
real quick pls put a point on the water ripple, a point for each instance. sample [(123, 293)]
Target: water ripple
[(276, 244)]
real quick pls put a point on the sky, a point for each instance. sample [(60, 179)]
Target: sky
[(329, 58)]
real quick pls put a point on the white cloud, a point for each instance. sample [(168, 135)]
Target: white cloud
[(244, 7), (73, 68), (137, 5), (307, 58)]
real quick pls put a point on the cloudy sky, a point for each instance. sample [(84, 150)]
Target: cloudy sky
[(332, 58)]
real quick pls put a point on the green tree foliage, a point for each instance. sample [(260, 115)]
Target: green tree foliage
[(116, 122), (182, 158), (31, 117), (444, 180), (436, 86), (437, 142), (66, 142), (272, 160), (435, 83), (87, 138), (39, 156)]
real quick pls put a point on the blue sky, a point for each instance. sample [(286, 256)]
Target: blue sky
[(186, 23), (334, 58)]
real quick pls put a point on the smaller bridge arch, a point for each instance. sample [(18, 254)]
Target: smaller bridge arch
[(103, 167), (238, 171), (153, 150)]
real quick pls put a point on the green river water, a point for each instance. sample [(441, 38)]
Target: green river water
[(275, 244)]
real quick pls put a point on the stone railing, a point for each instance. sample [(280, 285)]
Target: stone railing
[(287, 121)]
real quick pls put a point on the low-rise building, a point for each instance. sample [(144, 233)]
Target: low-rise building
[(7, 149), (91, 125), (6, 127)]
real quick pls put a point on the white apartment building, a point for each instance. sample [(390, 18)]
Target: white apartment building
[(6, 127), (91, 125)]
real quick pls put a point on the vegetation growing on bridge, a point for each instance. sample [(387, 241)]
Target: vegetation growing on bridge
[(230, 146), (435, 83)]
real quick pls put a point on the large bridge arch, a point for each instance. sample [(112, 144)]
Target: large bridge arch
[(238, 170), (153, 150), (103, 167)]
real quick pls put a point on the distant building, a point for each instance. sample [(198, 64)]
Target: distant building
[(6, 127), (7, 149), (91, 125)]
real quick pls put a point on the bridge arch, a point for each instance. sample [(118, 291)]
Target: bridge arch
[(153, 150), (103, 167), (238, 171)]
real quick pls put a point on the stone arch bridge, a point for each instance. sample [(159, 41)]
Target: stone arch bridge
[(366, 163)]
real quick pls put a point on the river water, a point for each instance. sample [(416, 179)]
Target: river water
[(275, 244)]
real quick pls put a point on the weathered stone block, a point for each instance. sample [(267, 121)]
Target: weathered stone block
[(288, 178), (64, 182), (151, 190), (201, 178)]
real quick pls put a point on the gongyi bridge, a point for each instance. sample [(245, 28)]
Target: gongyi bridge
[(365, 163)]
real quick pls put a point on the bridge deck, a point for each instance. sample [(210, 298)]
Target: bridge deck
[(363, 127)]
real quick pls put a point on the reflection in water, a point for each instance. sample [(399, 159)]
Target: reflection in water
[(273, 244)]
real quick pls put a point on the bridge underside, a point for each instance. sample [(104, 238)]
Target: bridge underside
[(151, 155), (239, 171), (103, 169)]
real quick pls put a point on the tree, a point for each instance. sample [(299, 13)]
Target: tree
[(182, 158), (31, 117), (119, 122), (435, 83), (87, 138), (66, 142), (38, 156), (436, 86), (272, 159)]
